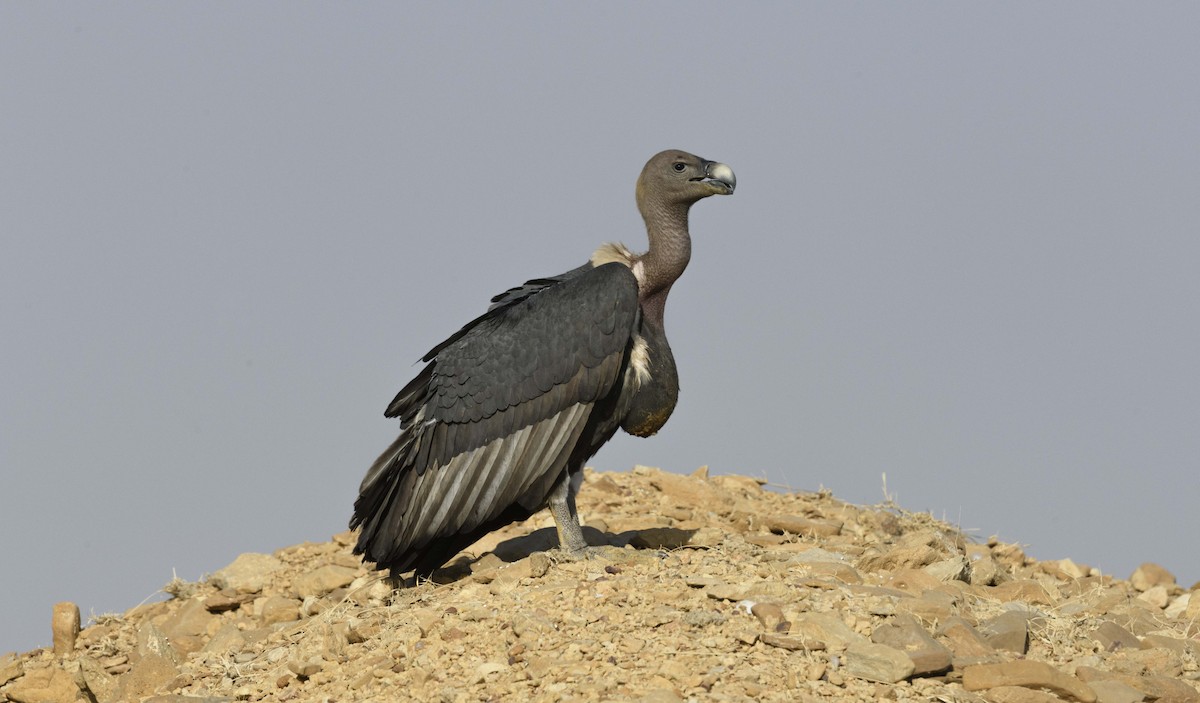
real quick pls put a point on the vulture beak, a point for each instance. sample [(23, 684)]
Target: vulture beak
[(720, 177)]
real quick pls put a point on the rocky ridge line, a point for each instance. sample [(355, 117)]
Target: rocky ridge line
[(713, 589)]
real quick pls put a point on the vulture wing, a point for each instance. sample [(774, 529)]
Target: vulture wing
[(489, 424)]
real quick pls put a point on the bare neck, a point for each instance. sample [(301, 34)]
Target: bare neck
[(670, 246)]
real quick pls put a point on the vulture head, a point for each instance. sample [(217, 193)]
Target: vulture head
[(673, 178)]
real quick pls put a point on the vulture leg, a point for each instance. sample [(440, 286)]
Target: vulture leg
[(566, 519)]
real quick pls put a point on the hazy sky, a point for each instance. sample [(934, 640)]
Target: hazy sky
[(963, 251)]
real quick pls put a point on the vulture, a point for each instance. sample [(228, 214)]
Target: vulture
[(500, 421)]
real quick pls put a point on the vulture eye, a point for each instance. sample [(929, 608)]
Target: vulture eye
[(679, 168)]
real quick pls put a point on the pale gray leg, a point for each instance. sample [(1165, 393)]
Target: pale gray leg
[(566, 518)]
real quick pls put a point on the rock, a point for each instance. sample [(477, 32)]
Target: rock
[(10, 668), (661, 538), (1156, 597), (223, 602), (1018, 694), (152, 641), (1149, 575), (248, 573), (955, 568), (1178, 606), (48, 685), (966, 645), (1029, 674), (147, 676), (1024, 590), (825, 627), (877, 662), (65, 627), (660, 695), (1112, 637), (322, 580), (808, 527), (906, 634), (1116, 692), (984, 570), (1008, 631), (277, 609), (1154, 687), (684, 490), (95, 680), (769, 615), (187, 629), (227, 639), (789, 643), (304, 670)]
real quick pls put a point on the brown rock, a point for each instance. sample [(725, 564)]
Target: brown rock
[(1156, 597), (48, 685), (65, 626), (276, 609), (1008, 631), (661, 538), (1029, 674), (95, 680), (1018, 694), (797, 525), (304, 670), (966, 645), (956, 568), (248, 573), (769, 615), (825, 627), (1116, 692), (793, 644), (1024, 590), (222, 602), (187, 629), (684, 490), (152, 641), (147, 676), (1112, 637), (906, 634), (1149, 575), (877, 662), (323, 580), (1155, 687)]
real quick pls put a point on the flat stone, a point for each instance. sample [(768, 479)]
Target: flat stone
[(930, 607), (791, 643), (323, 580), (907, 635), (769, 615), (65, 627), (1116, 692), (955, 568), (1018, 694), (1023, 590), (1178, 606), (151, 640), (228, 638), (966, 645), (1154, 687), (147, 676), (661, 538), (220, 602), (825, 627), (101, 684), (48, 685), (188, 623), (799, 525), (1112, 637), (248, 573), (277, 609), (684, 490), (1156, 597), (1029, 674), (1149, 575), (877, 662), (1008, 631)]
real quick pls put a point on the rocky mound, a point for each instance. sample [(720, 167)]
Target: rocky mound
[(712, 589)]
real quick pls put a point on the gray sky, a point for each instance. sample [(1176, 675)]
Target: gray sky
[(963, 252)]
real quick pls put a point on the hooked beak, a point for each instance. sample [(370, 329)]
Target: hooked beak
[(720, 177)]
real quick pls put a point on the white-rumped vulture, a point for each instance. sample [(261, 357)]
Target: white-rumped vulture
[(500, 422)]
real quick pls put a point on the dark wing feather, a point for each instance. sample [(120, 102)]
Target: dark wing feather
[(490, 423)]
